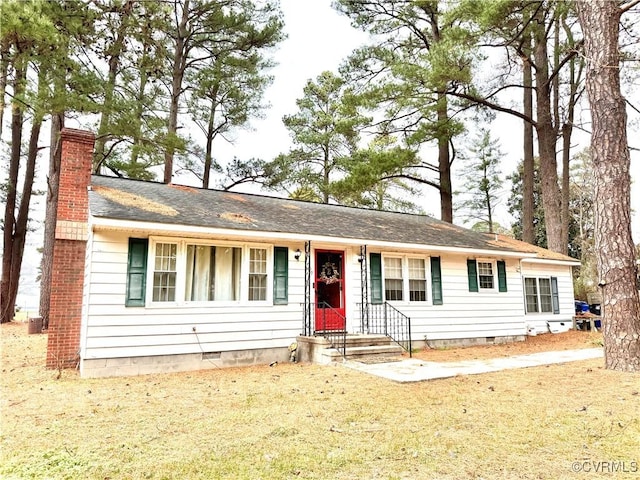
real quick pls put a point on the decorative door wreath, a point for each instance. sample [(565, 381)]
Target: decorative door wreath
[(329, 273)]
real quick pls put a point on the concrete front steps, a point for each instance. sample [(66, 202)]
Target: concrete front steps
[(360, 348)]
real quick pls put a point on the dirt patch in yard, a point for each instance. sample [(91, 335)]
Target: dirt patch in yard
[(571, 340)]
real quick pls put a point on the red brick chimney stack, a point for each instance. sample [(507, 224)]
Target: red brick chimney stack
[(69, 251)]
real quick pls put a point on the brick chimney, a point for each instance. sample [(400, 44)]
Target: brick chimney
[(69, 250)]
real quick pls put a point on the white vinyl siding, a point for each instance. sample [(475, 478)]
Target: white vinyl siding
[(112, 330)]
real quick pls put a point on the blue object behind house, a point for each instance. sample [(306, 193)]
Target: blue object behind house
[(581, 307)]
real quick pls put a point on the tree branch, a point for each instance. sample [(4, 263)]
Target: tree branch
[(628, 6), (494, 106)]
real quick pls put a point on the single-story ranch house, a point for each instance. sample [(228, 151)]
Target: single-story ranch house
[(151, 277)]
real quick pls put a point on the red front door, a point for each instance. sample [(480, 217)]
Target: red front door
[(329, 285)]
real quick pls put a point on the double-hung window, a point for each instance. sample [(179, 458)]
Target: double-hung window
[(417, 280), (165, 272), (541, 295), (257, 274), (187, 271), (393, 283), (403, 278), (486, 275)]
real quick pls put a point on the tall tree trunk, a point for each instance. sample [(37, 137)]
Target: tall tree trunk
[(567, 130), (575, 77), (51, 213), (22, 219), (4, 71), (444, 163), (615, 252), (136, 135), (528, 164), (551, 200), (116, 49), (208, 157), (178, 68), (8, 282)]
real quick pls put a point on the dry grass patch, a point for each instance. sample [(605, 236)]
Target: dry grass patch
[(312, 422), (571, 340)]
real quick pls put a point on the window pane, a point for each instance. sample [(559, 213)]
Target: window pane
[(393, 278), (228, 261), (257, 274), (393, 289), (485, 274), (164, 275), (417, 280), (257, 287), (200, 270), (531, 294), (545, 295)]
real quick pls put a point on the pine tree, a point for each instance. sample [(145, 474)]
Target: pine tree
[(482, 182)]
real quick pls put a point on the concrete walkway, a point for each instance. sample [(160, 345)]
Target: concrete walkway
[(414, 370)]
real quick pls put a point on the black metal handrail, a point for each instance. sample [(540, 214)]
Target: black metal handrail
[(385, 319), (336, 338)]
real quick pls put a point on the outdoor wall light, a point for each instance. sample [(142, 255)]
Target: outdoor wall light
[(297, 255)]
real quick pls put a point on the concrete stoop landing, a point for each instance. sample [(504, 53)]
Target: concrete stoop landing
[(360, 348)]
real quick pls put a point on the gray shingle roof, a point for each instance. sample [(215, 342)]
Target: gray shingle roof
[(134, 200)]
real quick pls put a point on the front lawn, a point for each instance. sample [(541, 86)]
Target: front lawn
[(313, 422)]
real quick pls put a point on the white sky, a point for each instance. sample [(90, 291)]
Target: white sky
[(320, 39)]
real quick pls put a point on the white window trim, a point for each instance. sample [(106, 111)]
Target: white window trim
[(181, 265), (524, 287), (494, 271), (405, 279)]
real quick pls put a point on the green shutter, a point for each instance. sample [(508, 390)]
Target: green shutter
[(555, 298), (436, 281), (280, 275), (502, 276), (472, 272), (137, 272), (375, 272)]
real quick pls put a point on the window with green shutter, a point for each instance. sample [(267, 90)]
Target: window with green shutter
[(375, 274), (280, 275), (436, 281), (137, 272), (502, 276), (472, 273)]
